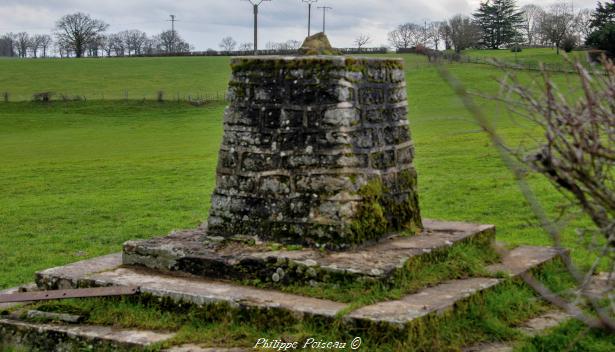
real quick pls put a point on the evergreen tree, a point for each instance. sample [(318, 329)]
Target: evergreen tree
[(499, 21), (604, 14), (603, 22)]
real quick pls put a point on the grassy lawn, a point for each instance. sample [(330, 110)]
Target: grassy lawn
[(80, 178), (531, 55), (113, 78)]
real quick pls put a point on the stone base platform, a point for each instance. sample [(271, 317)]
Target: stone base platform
[(392, 314), (186, 252)]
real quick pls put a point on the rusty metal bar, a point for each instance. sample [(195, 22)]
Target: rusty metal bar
[(74, 293)]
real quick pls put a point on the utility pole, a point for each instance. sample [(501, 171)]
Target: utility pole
[(324, 16), (172, 20), (255, 5), (309, 2)]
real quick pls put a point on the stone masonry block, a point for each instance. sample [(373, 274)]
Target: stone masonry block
[(306, 142)]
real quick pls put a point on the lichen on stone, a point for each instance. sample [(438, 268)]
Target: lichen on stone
[(318, 44)]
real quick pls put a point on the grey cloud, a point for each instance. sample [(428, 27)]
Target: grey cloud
[(205, 22)]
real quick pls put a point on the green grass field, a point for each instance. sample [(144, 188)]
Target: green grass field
[(532, 56), (80, 178), (115, 78)]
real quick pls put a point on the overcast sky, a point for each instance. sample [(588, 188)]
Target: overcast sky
[(204, 22)]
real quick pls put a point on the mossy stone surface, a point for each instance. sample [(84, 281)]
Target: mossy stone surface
[(317, 44), (316, 152)]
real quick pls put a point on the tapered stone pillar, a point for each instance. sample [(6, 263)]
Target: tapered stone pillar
[(316, 152)]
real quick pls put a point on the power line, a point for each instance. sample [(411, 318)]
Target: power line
[(309, 2), (255, 5), (324, 16), (172, 20)]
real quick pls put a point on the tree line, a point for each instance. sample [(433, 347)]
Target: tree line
[(500, 24), (79, 35), (495, 24)]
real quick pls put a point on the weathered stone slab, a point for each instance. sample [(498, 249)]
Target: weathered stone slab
[(431, 300), (50, 316), (187, 289), (532, 327), (522, 259), (546, 321), (444, 296), (67, 276), (195, 348), (184, 252), (397, 313), (49, 338), (201, 292), (490, 347)]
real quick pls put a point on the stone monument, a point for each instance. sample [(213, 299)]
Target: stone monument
[(316, 153)]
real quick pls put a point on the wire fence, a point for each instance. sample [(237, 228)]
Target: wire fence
[(439, 56), (198, 98), (265, 52)]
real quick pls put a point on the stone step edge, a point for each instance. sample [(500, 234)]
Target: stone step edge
[(195, 348), (444, 296), (26, 334), (532, 327), (201, 291), (175, 254)]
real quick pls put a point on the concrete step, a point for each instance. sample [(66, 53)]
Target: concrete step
[(52, 337), (444, 296), (186, 252), (199, 291), (532, 327), (195, 348)]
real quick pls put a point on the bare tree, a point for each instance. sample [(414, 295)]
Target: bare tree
[(445, 35), (362, 40), (107, 48), (407, 35), (246, 47), (227, 44), (63, 48), (583, 23), (95, 45), (532, 14), (7, 45), (134, 40), (433, 34), (577, 155), (35, 44), (463, 33), (22, 43), (171, 41), (292, 44), (557, 23), (77, 30), (45, 42), (117, 44), (149, 46)]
